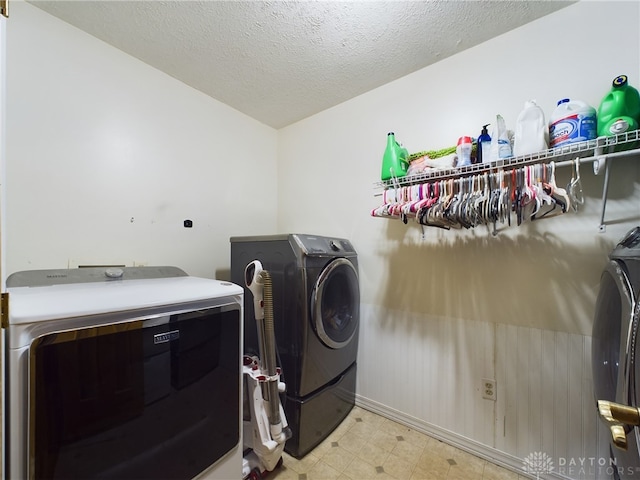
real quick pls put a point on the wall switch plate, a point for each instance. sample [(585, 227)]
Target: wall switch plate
[(489, 389)]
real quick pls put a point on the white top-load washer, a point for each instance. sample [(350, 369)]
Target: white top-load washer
[(128, 372)]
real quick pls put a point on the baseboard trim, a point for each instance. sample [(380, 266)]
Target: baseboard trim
[(468, 445)]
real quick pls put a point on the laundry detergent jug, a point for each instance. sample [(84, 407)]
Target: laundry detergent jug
[(619, 110), (395, 159), (572, 121), (532, 134)]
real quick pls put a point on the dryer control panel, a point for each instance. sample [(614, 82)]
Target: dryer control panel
[(317, 245), (631, 239)]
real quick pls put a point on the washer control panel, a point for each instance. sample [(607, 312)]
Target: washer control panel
[(317, 245), (41, 278), (631, 239)]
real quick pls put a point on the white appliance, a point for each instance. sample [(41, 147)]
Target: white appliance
[(123, 373)]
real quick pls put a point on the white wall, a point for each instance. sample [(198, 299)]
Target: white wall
[(428, 371), (106, 157), (443, 312), (341, 151), (95, 138)]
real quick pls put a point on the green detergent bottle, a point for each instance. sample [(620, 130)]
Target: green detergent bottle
[(395, 160), (619, 111)]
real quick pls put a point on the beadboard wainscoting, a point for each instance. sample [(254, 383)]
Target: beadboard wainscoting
[(427, 373)]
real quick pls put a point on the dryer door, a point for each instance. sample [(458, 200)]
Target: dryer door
[(614, 308), (336, 303)]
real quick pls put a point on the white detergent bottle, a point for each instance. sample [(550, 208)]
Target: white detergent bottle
[(532, 132)]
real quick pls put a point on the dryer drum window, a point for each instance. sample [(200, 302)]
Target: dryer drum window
[(336, 303)]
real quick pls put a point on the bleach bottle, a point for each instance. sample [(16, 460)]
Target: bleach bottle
[(619, 110), (572, 121), (395, 159)]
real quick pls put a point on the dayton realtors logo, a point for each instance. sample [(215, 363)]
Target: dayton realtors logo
[(537, 463)]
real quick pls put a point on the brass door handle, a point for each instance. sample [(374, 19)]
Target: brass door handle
[(617, 413), (618, 416), (619, 436)]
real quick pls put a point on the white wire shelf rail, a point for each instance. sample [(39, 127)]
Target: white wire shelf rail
[(596, 151), (622, 144)]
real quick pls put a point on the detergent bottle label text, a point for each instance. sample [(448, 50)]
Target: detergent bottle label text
[(571, 129)]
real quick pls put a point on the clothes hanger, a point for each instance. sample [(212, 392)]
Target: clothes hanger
[(574, 188), (560, 198), (529, 203), (560, 194)]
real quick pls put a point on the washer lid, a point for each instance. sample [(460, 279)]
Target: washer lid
[(34, 304)]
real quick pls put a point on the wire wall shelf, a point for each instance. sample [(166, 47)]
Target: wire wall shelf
[(623, 144), (596, 151)]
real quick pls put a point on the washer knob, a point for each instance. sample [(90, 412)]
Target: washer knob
[(334, 246), (114, 272)]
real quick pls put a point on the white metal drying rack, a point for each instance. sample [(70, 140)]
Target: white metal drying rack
[(595, 151)]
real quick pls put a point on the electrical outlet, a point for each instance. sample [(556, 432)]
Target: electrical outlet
[(489, 389)]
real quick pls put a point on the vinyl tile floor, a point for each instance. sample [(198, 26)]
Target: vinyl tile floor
[(366, 446)]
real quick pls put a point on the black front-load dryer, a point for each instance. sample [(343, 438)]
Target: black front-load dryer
[(615, 350), (316, 309)]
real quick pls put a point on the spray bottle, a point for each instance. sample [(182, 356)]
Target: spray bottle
[(500, 143)]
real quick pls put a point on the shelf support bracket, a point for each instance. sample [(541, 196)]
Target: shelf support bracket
[(605, 192)]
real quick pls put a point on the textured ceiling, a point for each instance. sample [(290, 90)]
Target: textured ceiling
[(282, 61)]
